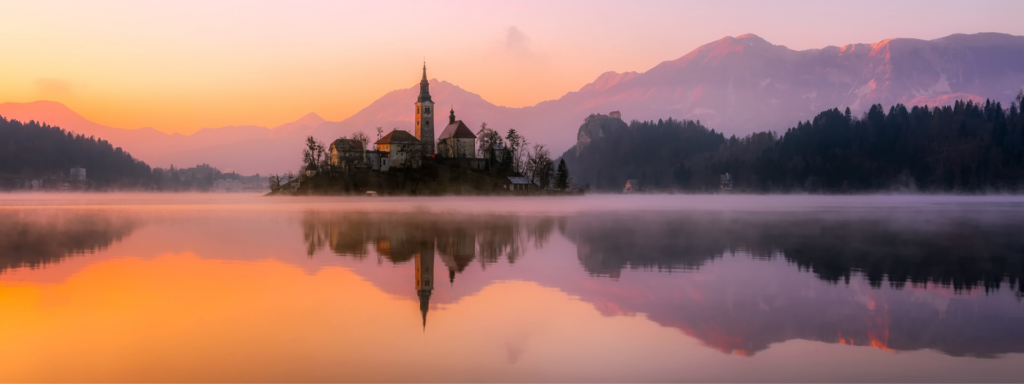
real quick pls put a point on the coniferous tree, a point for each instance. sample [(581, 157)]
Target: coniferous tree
[(562, 176)]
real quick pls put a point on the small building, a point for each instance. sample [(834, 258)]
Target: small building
[(78, 174), (457, 140), (632, 186), (400, 149), (310, 170), (497, 151), (347, 154), (725, 184), (517, 183)]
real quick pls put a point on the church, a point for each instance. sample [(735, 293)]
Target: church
[(400, 149)]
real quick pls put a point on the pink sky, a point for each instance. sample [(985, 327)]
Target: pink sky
[(179, 66)]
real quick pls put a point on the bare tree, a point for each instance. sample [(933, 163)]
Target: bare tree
[(539, 166), (488, 139), (315, 154), (275, 182), (361, 137)]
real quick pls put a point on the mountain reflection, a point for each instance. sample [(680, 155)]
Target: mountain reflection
[(965, 252), (39, 239)]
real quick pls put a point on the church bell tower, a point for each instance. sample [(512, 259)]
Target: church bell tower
[(425, 115)]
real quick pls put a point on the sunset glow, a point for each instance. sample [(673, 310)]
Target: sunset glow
[(182, 66)]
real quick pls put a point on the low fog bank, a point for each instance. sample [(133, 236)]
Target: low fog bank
[(834, 204)]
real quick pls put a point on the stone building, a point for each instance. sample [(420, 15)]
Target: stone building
[(399, 149), (347, 153)]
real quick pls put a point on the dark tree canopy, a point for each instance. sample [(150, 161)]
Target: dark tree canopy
[(965, 147), (35, 150)]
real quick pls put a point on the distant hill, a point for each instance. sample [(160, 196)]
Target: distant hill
[(32, 150), (736, 85)]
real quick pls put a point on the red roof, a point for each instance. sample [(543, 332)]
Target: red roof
[(457, 130), (398, 137)]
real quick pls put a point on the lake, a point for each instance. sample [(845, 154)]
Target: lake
[(216, 288)]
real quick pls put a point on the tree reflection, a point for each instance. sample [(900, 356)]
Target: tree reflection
[(965, 252), (39, 239), (397, 237)]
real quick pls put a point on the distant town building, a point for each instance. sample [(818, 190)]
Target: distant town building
[(78, 174), (615, 115), (725, 184), (400, 150), (457, 140), (425, 115), (632, 186)]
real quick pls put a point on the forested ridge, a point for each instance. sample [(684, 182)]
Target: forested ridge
[(966, 147), (34, 150)]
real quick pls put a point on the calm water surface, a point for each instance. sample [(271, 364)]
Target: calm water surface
[(213, 288)]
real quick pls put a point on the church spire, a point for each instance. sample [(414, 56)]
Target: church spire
[(424, 306), (451, 117), (424, 86)]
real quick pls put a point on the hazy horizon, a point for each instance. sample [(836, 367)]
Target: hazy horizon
[(181, 67)]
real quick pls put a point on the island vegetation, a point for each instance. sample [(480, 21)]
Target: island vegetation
[(498, 163)]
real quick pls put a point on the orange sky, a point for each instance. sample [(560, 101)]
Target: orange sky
[(181, 66)]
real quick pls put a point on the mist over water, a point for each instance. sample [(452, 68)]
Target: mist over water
[(207, 287)]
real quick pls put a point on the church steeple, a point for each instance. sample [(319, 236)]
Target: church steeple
[(451, 117), (424, 86), (425, 115)]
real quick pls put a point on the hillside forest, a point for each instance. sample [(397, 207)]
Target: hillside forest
[(967, 147), (34, 151)]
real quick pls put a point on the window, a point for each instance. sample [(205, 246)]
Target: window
[(428, 110), (417, 109)]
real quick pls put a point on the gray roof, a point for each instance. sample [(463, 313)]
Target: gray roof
[(518, 180), (347, 145)]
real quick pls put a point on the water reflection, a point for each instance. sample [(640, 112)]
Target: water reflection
[(31, 239), (964, 251), (457, 239), (320, 292), (742, 294)]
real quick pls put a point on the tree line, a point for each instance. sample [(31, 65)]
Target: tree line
[(35, 150), (39, 151), (965, 147)]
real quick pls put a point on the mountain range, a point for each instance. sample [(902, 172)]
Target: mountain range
[(736, 85)]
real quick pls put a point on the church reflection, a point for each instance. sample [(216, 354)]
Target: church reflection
[(458, 240)]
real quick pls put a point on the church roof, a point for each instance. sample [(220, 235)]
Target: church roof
[(457, 130), (398, 136)]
